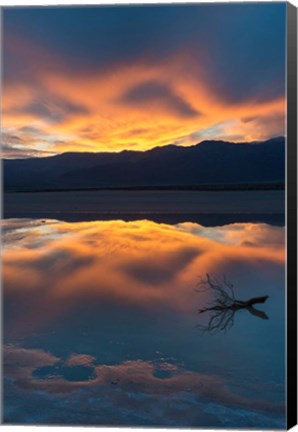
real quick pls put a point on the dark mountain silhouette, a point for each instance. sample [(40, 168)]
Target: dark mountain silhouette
[(207, 163)]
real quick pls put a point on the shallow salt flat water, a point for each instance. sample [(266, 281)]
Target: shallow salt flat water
[(101, 324)]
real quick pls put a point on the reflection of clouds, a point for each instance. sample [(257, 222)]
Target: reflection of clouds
[(127, 378), (90, 272), (29, 233), (240, 233), (138, 263), (79, 360), (155, 272), (17, 358)]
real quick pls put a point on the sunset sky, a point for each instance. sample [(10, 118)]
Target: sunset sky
[(129, 77)]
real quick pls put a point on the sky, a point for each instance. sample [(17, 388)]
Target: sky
[(92, 79)]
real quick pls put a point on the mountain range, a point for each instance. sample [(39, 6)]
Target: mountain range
[(207, 163)]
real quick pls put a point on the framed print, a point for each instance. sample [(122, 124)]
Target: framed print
[(149, 215)]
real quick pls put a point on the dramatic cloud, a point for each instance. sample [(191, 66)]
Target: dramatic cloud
[(153, 93), (90, 80), (53, 111)]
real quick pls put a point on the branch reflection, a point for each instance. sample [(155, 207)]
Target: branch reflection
[(225, 305)]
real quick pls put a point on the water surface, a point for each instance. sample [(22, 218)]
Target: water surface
[(101, 324)]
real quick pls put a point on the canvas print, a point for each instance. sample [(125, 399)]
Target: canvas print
[(143, 225)]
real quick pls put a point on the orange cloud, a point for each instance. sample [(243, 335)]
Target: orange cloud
[(131, 106)]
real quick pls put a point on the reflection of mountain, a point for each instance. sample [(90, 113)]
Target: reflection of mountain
[(210, 162), (207, 220)]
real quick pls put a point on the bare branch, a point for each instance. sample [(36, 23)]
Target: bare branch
[(225, 305)]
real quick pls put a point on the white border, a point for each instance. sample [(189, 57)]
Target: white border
[(9, 3)]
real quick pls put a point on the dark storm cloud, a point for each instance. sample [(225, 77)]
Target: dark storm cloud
[(56, 110), (247, 49), (243, 44), (154, 92), (51, 108)]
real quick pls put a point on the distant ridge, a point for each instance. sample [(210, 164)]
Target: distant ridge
[(209, 164)]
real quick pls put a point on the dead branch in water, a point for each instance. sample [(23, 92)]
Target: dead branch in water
[(225, 304)]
